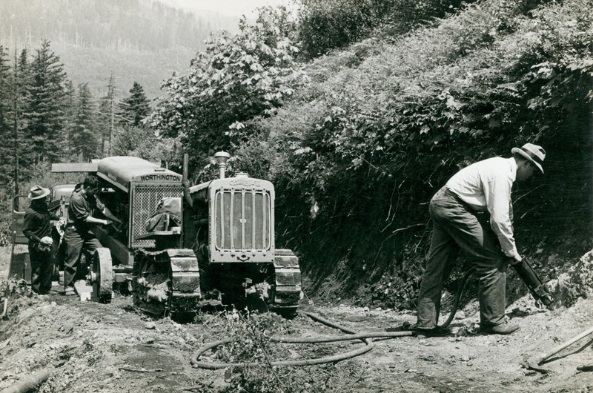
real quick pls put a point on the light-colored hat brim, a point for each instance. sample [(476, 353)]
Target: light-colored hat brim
[(517, 150), (45, 193)]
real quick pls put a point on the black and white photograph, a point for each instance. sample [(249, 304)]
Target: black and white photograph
[(296, 196)]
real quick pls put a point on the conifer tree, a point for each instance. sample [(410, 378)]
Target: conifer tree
[(19, 144), (44, 113), (6, 169), (70, 111), (134, 108), (106, 116), (103, 123), (84, 137)]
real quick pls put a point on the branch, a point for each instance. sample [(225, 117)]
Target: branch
[(529, 192), (408, 227)]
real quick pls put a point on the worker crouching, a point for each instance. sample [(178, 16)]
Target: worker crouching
[(473, 213)]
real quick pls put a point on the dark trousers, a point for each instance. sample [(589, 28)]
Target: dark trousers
[(455, 228), (42, 269), (75, 245)]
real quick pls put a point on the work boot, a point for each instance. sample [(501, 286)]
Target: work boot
[(503, 328), (433, 332), (69, 291)]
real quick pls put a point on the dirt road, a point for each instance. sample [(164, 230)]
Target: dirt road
[(111, 348), (94, 347)]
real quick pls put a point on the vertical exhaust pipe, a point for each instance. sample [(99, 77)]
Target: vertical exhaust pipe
[(221, 158), (185, 168), (185, 181)]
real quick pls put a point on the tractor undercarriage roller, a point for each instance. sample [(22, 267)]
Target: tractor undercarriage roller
[(166, 282)]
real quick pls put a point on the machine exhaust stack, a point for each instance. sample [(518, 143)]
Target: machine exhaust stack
[(222, 157), (185, 168)]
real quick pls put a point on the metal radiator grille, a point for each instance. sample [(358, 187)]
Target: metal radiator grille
[(145, 199), (242, 220)]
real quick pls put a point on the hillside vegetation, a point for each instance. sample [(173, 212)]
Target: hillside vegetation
[(357, 131), (357, 155)]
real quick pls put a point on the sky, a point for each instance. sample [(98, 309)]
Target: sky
[(226, 7)]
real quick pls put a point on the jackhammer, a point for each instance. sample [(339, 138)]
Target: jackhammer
[(534, 283)]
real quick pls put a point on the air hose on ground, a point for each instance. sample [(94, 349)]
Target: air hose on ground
[(457, 298), (364, 336), (352, 335)]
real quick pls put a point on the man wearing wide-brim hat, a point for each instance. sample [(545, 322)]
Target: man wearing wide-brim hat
[(473, 213), (38, 230)]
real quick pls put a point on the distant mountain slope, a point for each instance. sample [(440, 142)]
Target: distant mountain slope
[(140, 40)]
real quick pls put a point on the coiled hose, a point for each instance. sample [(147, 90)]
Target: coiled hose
[(352, 335), (364, 336)]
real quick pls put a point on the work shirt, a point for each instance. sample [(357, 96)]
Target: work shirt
[(37, 223), (81, 206), (486, 186)]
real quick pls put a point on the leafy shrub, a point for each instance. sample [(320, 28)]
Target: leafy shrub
[(236, 79)]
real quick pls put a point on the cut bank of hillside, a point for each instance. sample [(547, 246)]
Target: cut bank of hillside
[(384, 123)]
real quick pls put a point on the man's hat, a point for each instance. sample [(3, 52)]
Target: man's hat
[(533, 153), (38, 192)]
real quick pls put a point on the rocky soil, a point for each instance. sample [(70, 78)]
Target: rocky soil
[(94, 347)]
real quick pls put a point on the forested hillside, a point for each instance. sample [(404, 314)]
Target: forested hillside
[(359, 112), (140, 40)]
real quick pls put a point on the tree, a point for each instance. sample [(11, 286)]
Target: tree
[(21, 81), (5, 104), (134, 108), (106, 118), (133, 137), (44, 112), (238, 78), (104, 123), (70, 113), (84, 137)]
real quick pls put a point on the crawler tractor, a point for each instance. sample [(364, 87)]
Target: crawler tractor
[(181, 247)]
